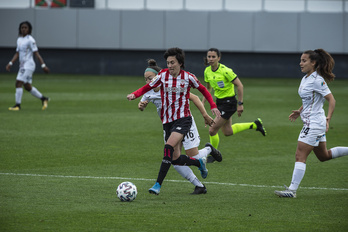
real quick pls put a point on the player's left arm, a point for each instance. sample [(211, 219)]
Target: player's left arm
[(209, 98), (207, 119), (332, 103), (43, 65), (240, 90)]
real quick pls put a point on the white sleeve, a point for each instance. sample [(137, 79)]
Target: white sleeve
[(144, 98), (33, 45), (321, 87), (155, 81), (17, 48)]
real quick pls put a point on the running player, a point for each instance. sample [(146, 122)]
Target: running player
[(222, 79), (191, 139), (313, 90), (175, 85), (26, 47)]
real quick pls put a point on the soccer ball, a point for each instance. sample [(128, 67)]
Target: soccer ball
[(126, 191)]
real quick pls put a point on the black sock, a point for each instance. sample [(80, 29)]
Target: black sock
[(186, 161), (166, 162)]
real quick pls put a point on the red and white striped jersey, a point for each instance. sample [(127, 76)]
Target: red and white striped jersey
[(175, 94)]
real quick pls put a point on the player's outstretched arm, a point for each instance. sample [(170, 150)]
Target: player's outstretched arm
[(139, 92)]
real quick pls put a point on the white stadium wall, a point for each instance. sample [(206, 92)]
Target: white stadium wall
[(249, 32)]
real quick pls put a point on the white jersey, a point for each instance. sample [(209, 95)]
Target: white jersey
[(155, 98), (26, 46), (175, 93), (312, 90)]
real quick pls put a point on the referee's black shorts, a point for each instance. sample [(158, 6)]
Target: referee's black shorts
[(227, 106), (181, 125)]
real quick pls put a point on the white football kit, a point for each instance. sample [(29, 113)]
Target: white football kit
[(312, 91), (26, 46), (191, 139)]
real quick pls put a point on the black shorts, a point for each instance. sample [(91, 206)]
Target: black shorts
[(227, 106), (181, 125)]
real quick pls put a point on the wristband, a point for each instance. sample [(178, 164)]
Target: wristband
[(43, 65), (10, 63), (240, 103)]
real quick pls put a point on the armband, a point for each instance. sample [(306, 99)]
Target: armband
[(43, 65), (10, 63)]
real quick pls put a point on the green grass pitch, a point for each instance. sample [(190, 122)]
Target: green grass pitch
[(59, 168)]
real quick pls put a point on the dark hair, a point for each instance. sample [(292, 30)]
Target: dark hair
[(153, 64), (211, 50), (324, 63), (179, 55), (29, 25)]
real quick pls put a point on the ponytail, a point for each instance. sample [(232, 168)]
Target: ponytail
[(324, 63)]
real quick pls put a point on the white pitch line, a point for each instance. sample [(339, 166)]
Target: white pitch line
[(178, 181)]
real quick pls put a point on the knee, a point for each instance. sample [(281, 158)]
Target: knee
[(168, 152), (27, 88), (300, 158), (212, 131), (227, 133), (18, 84), (323, 159), (323, 156)]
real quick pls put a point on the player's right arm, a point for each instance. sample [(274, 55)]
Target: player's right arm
[(139, 92), (142, 103), (295, 114), (15, 57)]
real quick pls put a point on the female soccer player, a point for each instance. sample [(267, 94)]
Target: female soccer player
[(222, 79), (313, 90), (191, 139), (175, 85), (26, 47)]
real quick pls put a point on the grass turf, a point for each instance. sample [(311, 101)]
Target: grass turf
[(59, 168)]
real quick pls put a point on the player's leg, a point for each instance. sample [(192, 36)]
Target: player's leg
[(256, 125), (191, 143), (324, 155), (174, 133), (34, 91), (302, 152), (338, 152), (214, 129), (307, 140), (19, 91), (188, 174)]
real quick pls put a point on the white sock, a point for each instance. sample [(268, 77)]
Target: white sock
[(339, 151), (19, 94), (188, 174), (35, 92), (204, 152), (297, 175)]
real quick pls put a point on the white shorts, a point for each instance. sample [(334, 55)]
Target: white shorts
[(311, 136), (25, 75), (191, 139)]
